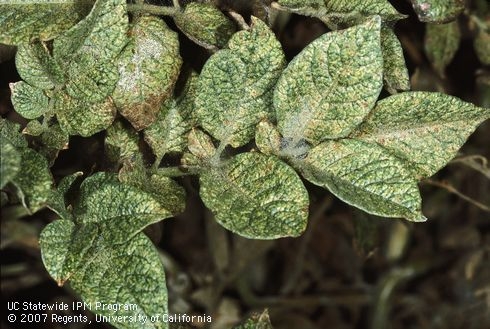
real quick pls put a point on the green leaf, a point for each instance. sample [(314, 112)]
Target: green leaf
[(102, 272), (257, 321), (395, 73), (77, 117), (441, 43), (169, 132), (57, 199), (65, 248), (36, 66), (366, 176), (235, 85), (131, 274), (482, 46), (148, 68), (10, 132), (23, 21), (166, 191), (205, 25), (437, 11), (89, 49), (125, 209), (327, 90), (30, 102), (33, 180), (10, 162), (256, 196), (121, 144), (52, 138), (267, 138), (200, 144), (343, 9), (423, 129)]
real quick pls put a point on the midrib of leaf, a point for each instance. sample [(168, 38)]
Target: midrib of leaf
[(240, 191), (404, 131), (321, 174)]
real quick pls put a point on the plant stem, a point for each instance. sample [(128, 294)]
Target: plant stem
[(179, 171), (153, 9)]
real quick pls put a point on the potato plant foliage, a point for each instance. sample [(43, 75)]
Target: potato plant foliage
[(250, 126)]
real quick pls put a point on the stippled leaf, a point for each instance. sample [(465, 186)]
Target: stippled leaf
[(256, 196), (77, 117), (121, 144), (257, 321), (10, 132), (395, 73), (169, 132), (23, 21), (200, 144), (327, 90), (101, 272), (439, 11), (65, 248), (36, 66), (268, 138), (131, 274), (10, 162), (482, 46), (57, 199), (206, 25), (125, 208), (366, 176), (148, 68), (235, 85), (424, 129), (441, 44), (343, 9), (33, 181), (28, 101), (88, 51), (52, 138)]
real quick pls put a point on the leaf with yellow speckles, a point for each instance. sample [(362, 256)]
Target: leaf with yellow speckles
[(342, 9), (235, 85), (206, 25), (328, 89), (395, 73), (77, 117), (169, 132), (36, 66), (423, 129), (256, 196), (366, 176), (104, 254), (148, 68), (30, 102), (23, 21)]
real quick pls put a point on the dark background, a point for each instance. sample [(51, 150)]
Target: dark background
[(348, 270)]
